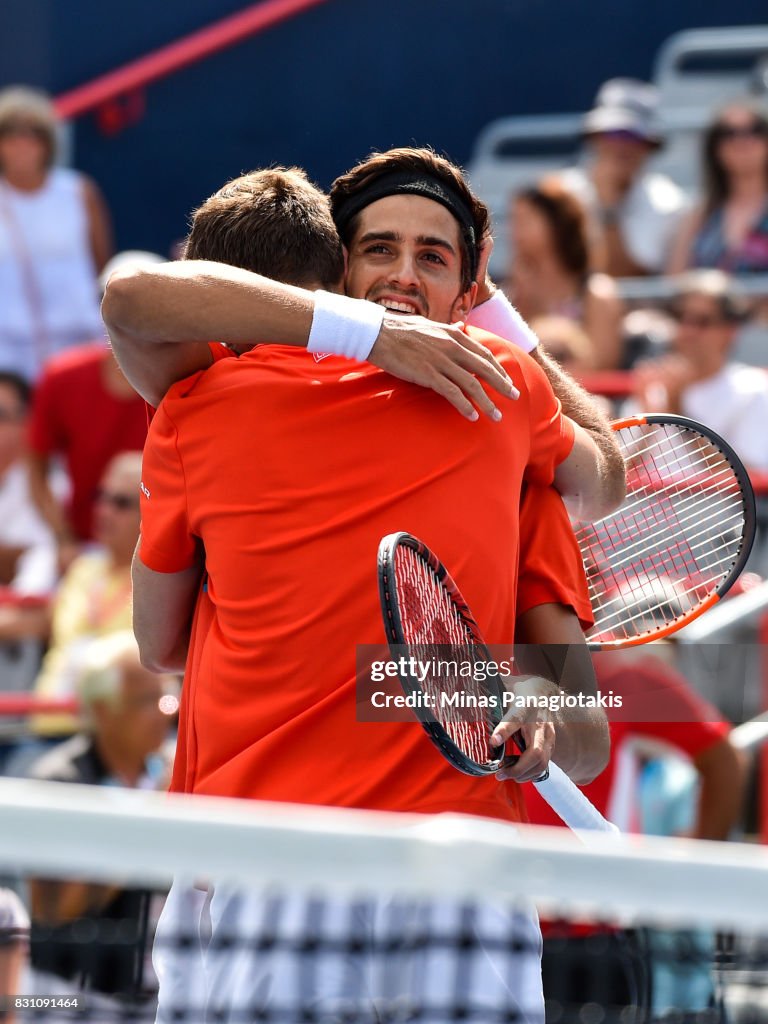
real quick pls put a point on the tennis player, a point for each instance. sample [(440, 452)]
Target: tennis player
[(289, 469)]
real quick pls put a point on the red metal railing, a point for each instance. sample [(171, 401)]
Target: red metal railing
[(188, 50)]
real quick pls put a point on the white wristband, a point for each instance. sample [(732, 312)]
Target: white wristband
[(498, 316), (344, 326)]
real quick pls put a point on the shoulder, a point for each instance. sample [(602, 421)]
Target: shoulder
[(602, 287), (661, 193), (82, 359), (577, 181), (747, 380), (85, 567), (66, 181)]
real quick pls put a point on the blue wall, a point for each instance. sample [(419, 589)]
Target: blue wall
[(323, 89)]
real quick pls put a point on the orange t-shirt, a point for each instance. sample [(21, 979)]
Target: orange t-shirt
[(551, 566), (290, 469)]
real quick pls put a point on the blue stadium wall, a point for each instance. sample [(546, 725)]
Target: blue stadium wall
[(324, 88)]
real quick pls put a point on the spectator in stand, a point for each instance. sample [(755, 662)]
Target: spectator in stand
[(594, 964), (94, 598), (85, 411), (89, 933), (27, 562), (55, 237), (636, 212), (551, 275), (728, 230), (27, 549), (698, 378)]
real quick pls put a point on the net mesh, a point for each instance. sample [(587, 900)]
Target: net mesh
[(307, 914), (432, 625), (675, 538)]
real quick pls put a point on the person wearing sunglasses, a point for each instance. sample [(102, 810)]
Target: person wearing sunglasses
[(699, 378), (635, 211), (728, 230), (93, 600)]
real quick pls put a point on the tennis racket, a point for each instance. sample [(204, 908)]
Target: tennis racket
[(423, 611), (680, 539)]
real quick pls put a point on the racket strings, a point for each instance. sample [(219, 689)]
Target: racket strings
[(437, 636), (674, 540)]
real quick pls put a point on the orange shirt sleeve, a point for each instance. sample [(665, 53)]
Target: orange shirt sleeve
[(551, 567), (167, 543), (552, 433)]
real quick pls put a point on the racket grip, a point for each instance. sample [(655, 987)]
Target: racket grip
[(570, 804)]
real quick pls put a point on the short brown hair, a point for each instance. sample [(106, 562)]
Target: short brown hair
[(273, 222), (567, 220), (419, 161)]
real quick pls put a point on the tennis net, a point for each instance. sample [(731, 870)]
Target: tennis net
[(303, 914)]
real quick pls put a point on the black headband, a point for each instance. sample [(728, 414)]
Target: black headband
[(415, 184)]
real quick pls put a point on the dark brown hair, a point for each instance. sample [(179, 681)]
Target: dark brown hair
[(715, 178), (567, 220), (420, 161), (274, 222)]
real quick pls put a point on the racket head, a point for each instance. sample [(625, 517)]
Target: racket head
[(423, 610), (679, 540)]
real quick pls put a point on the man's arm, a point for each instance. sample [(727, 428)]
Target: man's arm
[(160, 319), (586, 480), (722, 774), (549, 644), (163, 603), (50, 509)]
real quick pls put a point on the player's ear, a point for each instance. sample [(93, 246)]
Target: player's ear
[(464, 303), (345, 250)]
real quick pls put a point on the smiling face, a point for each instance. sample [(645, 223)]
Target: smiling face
[(405, 254)]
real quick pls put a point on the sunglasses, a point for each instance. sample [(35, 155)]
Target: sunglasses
[(120, 502), (756, 130), (623, 135), (24, 128), (700, 323)]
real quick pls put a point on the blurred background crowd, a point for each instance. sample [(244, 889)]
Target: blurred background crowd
[(634, 238)]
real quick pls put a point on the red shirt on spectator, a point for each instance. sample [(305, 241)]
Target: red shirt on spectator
[(76, 415), (657, 702)]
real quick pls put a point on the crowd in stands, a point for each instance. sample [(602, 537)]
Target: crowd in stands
[(71, 428)]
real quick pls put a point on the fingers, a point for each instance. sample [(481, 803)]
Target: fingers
[(453, 394), (534, 761), (473, 390), (482, 362)]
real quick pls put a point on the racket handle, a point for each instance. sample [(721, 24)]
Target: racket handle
[(570, 804)]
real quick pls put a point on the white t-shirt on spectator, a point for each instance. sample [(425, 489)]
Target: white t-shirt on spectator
[(648, 217), (734, 403), (22, 526)]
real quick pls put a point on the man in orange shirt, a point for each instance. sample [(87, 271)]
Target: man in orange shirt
[(290, 550)]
